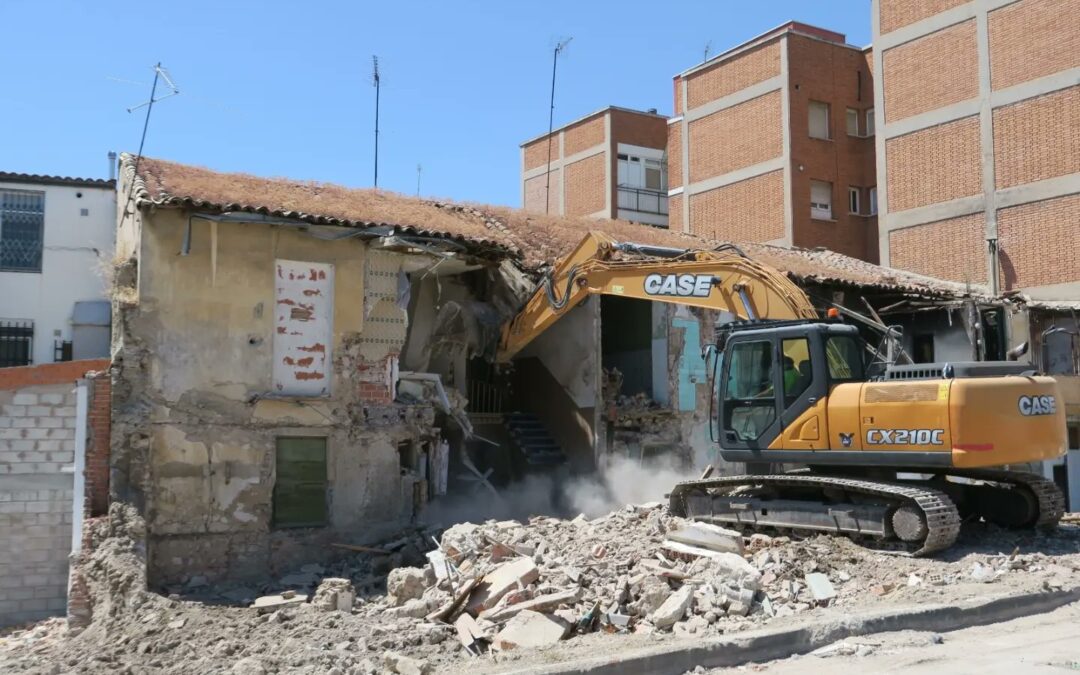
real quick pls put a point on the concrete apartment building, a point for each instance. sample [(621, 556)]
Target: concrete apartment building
[(608, 164), (979, 141), (55, 233), (772, 142)]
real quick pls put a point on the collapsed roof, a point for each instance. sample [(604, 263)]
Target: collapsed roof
[(534, 241)]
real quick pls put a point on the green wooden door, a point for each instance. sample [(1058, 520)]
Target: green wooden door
[(300, 488)]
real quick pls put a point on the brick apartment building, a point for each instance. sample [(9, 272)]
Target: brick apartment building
[(609, 164), (772, 141), (979, 141)]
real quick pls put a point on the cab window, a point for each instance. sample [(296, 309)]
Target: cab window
[(845, 357), (749, 394), (796, 365)]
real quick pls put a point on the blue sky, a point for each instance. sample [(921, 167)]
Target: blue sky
[(284, 88)]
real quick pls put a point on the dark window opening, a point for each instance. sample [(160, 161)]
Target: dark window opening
[(626, 342), (922, 348), (16, 343), (1074, 436), (300, 486), (994, 333)]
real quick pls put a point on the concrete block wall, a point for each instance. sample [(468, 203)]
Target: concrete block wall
[(37, 452)]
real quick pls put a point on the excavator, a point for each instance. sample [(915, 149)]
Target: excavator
[(896, 459)]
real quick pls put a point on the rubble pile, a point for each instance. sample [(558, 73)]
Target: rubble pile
[(509, 590)]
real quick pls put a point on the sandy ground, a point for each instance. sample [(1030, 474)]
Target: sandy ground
[(1043, 643)]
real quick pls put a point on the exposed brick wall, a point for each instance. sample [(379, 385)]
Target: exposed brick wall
[(1033, 38), (99, 422), (736, 137), (375, 379), (647, 131), (536, 189), (1039, 242), (1037, 138), (899, 13), (843, 78), (677, 85), (585, 186), (674, 156), (732, 75), (37, 449), (951, 249), (49, 373), (675, 213), (583, 135), (934, 165), (931, 72), (536, 153), (750, 210)]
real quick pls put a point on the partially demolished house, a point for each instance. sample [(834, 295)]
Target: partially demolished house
[(299, 364)]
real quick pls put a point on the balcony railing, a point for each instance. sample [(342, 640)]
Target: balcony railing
[(643, 200)]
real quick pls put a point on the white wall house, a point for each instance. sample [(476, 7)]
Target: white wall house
[(56, 235)]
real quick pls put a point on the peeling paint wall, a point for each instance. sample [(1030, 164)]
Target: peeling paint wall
[(198, 408)]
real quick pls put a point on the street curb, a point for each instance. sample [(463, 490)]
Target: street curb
[(770, 644)]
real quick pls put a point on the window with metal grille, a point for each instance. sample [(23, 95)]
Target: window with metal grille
[(16, 343), (300, 484), (22, 225)]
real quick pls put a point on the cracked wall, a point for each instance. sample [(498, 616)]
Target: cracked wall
[(196, 415)]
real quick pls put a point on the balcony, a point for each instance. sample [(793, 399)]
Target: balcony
[(643, 200)]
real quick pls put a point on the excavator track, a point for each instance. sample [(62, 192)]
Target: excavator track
[(1049, 498), (939, 528)]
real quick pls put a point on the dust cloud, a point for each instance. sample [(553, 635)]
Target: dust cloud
[(620, 481)]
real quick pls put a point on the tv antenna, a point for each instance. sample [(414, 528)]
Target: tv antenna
[(159, 74), (419, 170), (375, 83), (708, 48), (551, 120)]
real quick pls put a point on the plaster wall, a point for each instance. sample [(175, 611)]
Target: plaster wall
[(75, 248)]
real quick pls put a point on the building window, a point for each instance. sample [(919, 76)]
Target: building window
[(642, 184), (852, 122), (22, 224), (853, 200), (870, 121), (16, 343), (819, 120), (873, 201), (300, 483), (820, 200)]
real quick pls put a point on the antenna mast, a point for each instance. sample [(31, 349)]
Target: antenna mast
[(375, 82), (708, 47), (551, 120), (159, 74), (419, 169)]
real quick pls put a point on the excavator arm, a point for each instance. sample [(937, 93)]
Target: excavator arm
[(722, 279)]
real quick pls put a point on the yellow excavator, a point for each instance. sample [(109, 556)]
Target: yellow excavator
[(898, 458)]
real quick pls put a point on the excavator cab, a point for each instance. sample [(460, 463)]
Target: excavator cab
[(771, 373)]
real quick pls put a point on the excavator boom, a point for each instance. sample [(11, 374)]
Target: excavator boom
[(723, 279)]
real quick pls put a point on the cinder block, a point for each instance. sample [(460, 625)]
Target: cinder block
[(41, 411), (10, 434), (13, 507), (38, 507), (69, 422), (24, 423), (51, 422), (63, 411), (25, 399), (62, 434), (51, 399), (48, 446), (5, 422), (57, 604), (14, 410), (36, 433), (33, 605), (22, 446)]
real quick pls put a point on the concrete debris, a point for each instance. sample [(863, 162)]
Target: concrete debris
[(550, 585), (335, 594), (404, 584), (820, 587), (530, 629), (708, 536), (272, 603), (398, 663), (673, 608)]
